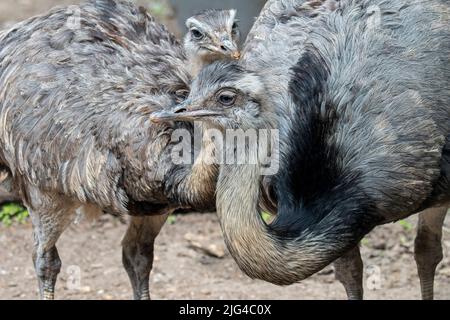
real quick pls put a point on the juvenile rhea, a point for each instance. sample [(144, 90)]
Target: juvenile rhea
[(213, 35)]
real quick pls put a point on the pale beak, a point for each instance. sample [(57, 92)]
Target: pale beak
[(182, 113), (236, 55), (231, 47)]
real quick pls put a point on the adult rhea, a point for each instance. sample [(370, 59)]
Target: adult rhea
[(361, 97)]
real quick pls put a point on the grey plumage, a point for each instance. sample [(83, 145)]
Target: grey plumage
[(361, 98), (61, 81), (75, 134), (212, 35)]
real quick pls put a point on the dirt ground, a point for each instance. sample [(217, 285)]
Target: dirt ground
[(184, 272)]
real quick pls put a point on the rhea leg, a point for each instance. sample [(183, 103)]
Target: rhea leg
[(428, 248), (137, 253), (349, 271), (47, 228), (48, 265)]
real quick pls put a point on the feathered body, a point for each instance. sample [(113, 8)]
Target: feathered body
[(370, 110), (364, 127), (75, 104), (77, 87)]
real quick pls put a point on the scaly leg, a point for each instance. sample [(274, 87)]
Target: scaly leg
[(428, 248), (137, 253), (349, 271), (47, 228)]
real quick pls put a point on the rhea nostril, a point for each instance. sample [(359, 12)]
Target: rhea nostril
[(181, 110), (223, 48)]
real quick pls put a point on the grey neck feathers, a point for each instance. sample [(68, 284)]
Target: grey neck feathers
[(198, 62), (260, 251)]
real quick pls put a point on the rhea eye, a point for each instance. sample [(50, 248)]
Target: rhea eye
[(181, 95), (235, 28), (227, 98), (196, 34)]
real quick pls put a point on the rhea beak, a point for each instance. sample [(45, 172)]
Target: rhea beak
[(231, 47), (182, 113)]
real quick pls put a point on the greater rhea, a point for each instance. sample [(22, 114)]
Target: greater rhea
[(360, 93)]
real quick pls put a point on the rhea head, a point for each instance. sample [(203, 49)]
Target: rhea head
[(224, 96), (213, 35)]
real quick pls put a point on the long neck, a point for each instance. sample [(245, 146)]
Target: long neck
[(198, 62), (276, 256)]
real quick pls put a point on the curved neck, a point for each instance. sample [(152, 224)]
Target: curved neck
[(266, 254)]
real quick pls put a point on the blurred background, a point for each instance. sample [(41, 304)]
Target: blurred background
[(173, 13), (191, 260), (247, 10)]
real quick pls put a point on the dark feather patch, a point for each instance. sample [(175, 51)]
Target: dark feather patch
[(311, 184)]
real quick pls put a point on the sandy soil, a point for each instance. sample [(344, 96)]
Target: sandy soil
[(182, 272)]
